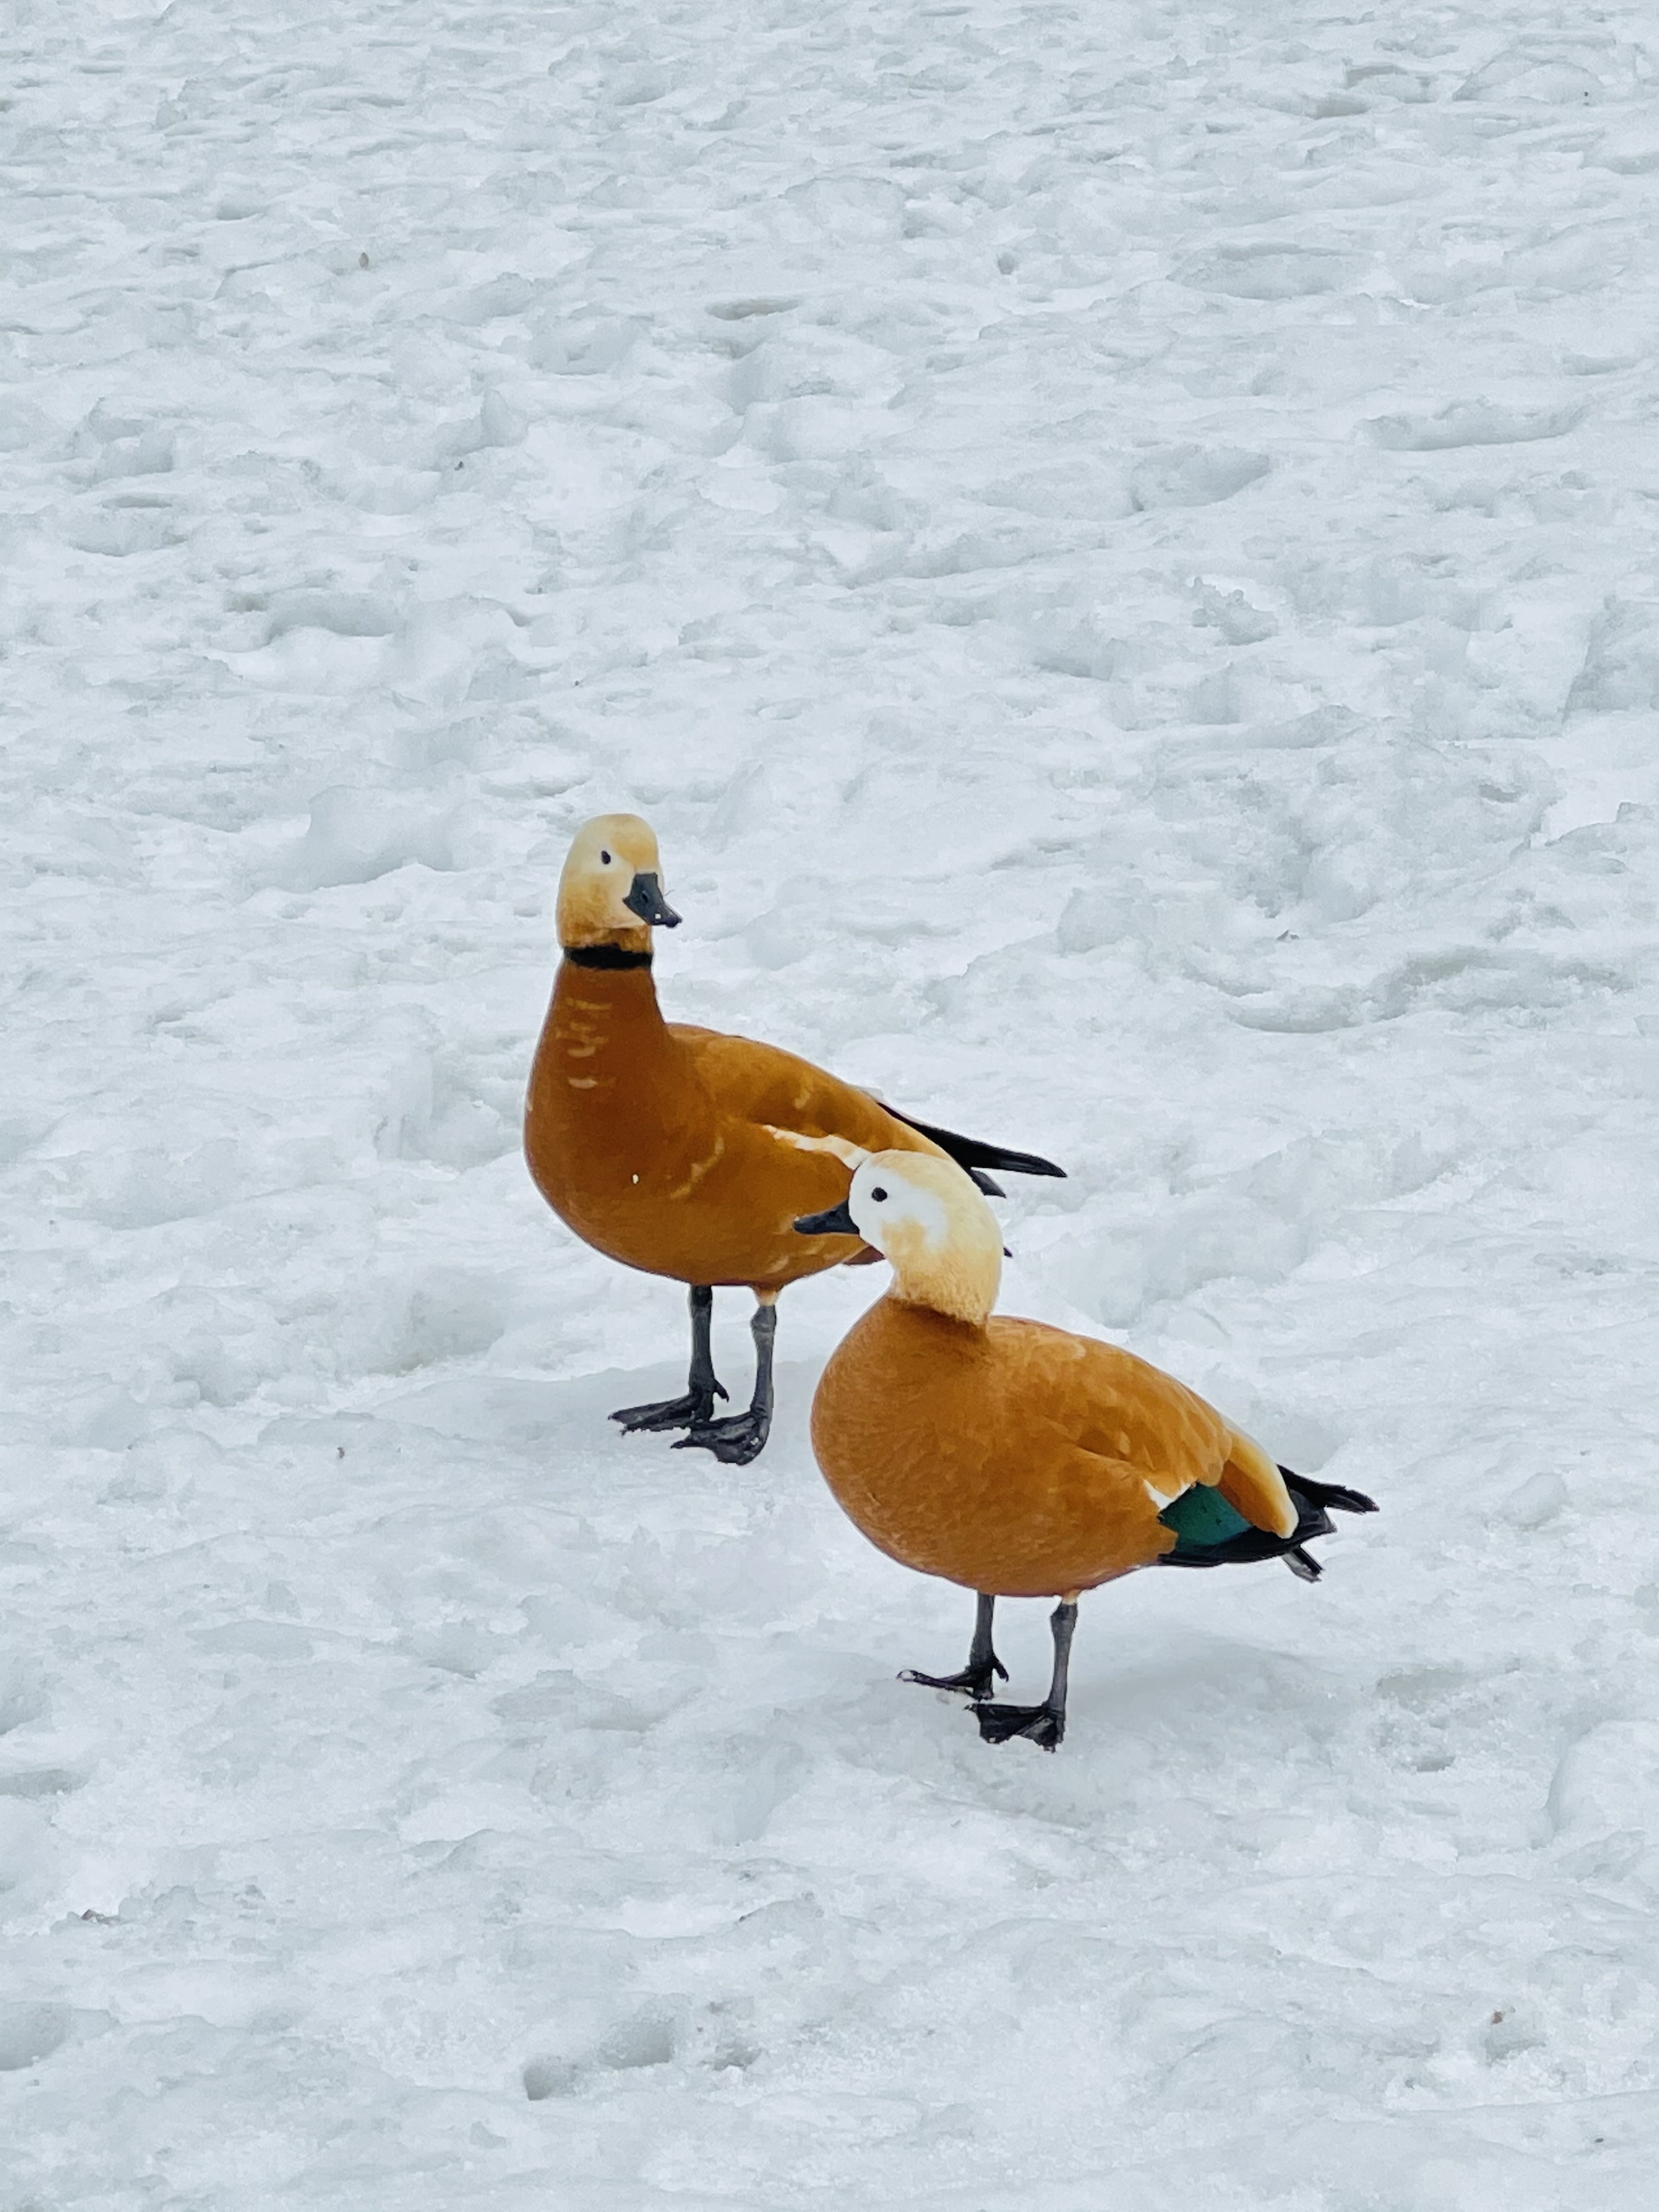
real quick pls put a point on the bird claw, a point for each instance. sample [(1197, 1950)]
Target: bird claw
[(736, 1441), (973, 1682), (1042, 1723)]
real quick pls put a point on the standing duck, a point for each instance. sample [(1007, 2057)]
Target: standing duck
[(688, 1153), (1019, 1460)]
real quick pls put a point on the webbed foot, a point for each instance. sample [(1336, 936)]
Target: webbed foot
[(1044, 1724), (976, 1679), (690, 1411), (735, 1440)]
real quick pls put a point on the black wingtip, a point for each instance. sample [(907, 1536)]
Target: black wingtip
[(971, 1152), (1030, 1164)]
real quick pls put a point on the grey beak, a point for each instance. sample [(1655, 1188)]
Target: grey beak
[(838, 1222), (646, 900)]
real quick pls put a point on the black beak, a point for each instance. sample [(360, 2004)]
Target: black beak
[(838, 1222), (646, 900)]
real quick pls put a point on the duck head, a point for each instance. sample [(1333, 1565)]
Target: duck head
[(925, 1218), (610, 892)]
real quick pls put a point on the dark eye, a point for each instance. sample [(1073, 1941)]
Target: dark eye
[(605, 858), (880, 1196)]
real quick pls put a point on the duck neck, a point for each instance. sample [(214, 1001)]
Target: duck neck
[(948, 1336), (961, 1293), (957, 1280), (603, 1031)]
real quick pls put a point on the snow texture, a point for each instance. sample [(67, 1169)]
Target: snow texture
[(1118, 545)]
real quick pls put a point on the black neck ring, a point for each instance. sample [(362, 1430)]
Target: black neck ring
[(605, 956)]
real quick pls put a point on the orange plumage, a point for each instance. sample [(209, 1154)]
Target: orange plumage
[(1019, 1460)]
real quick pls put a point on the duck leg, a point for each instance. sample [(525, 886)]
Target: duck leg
[(978, 1678), (703, 1385), (740, 1437), (1045, 1723)]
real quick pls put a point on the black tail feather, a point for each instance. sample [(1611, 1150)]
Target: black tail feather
[(1313, 1501), (968, 1153), (1328, 1493)]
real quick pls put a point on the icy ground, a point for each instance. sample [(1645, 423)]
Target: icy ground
[(1118, 545)]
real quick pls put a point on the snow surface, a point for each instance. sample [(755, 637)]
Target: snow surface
[(1119, 547)]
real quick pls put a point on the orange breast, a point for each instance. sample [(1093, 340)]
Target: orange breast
[(955, 1450), (652, 1143)]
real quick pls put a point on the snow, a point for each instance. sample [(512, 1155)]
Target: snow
[(1118, 549)]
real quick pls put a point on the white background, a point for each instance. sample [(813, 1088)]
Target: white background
[(1116, 545)]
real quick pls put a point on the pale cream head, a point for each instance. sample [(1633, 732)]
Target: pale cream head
[(608, 857), (924, 1215)]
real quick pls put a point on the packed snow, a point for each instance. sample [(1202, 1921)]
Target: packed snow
[(1118, 547)]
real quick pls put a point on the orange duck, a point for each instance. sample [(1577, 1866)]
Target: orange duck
[(1019, 1460), (685, 1153)]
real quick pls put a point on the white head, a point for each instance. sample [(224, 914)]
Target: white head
[(923, 1215), (610, 891)]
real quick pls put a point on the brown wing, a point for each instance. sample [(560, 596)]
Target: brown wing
[(1107, 1401), (1122, 1409), (777, 1090)]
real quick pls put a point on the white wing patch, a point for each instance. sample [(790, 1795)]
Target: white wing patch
[(851, 1156)]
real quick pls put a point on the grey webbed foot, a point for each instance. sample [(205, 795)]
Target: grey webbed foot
[(974, 1681), (687, 1413), (1044, 1724), (979, 1677), (737, 1440), (703, 1385)]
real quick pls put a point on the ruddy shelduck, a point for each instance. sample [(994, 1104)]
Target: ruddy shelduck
[(1017, 1459), (686, 1153)]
